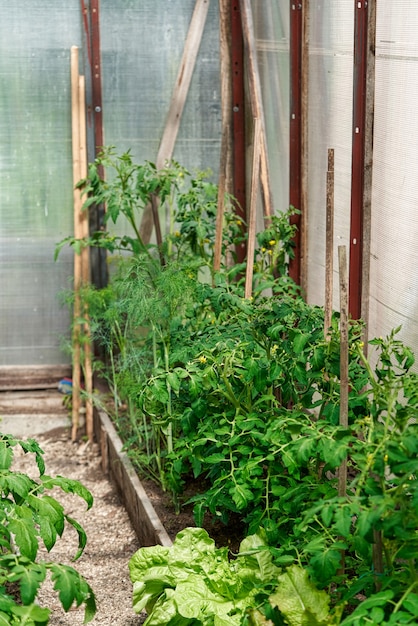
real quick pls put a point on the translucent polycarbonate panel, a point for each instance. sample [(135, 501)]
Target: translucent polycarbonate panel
[(271, 25), (142, 46), (330, 126), (394, 249), (35, 176)]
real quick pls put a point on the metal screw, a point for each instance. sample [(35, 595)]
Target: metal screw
[(235, 109), (97, 109)]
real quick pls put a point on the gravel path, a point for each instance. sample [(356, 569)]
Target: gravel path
[(111, 539)]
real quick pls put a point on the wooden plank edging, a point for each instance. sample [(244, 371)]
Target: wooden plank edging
[(145, 521)]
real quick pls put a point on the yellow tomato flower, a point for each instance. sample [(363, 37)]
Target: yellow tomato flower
[(272, 242), (202, 359)]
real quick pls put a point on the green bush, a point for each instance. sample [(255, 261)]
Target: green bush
[(30, 515)]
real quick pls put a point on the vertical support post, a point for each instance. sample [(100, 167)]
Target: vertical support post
[(257, 110), (95, 134), (342, 470), (238, 124), (358, 157), (225, 184), (329, 243), (295, 139), (85, 265), (368, 163), (302, 223), (78, 233), (257, 142), (96, 75), (342, 258)]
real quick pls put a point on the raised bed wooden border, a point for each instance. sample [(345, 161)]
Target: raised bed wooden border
[(116, 464)]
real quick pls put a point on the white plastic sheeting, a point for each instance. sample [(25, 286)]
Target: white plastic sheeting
[(394, 228), (142, 45), (271, 25), (394, 245), (35, 177), (330, 126)]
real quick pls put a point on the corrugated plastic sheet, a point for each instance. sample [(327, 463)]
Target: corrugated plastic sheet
[(394, 241), (330, 124), (35, 177)]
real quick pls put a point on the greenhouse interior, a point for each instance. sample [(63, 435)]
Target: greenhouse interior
[(200, 297)]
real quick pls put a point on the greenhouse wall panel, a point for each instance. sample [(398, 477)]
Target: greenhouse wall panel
[(330, 127), (394, 251), (36, 179)]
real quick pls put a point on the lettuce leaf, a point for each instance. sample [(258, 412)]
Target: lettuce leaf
[(301, 603)]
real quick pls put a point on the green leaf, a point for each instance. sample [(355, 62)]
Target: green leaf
[(18, 484), (301, 603), (72, 588), (411, 604), (327, 513), (376, 600), (174, 381), (299, 342), (4, 619), (32, 614), (195, 600), (69, 486), (82, 537), (241, 495), (30, 445), (30, 576), (326, 563), (343, 521), (6, 455), (255, 560), (25, 536)]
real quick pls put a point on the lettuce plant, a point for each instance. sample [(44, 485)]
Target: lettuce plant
[(194, 583)]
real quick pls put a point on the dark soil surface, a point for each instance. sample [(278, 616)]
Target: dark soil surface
[(224, 536)]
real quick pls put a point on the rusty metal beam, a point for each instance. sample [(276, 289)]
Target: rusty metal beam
[(90, 17), (96, 74), (238, 95), (361, 12), (296, 129)]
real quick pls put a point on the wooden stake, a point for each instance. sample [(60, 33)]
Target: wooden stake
[(256, 103), (342, 470), (178, 100), (253, 208), (225, 166), (75, 122), (342, 258), (329, 244), (85, 266)]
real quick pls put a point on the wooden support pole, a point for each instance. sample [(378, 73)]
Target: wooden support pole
[(178, 101), (225, 183), (239, 130), (368, 165), (329, 244), (257, 104), (255, 177), (85, 266), (75, 122), (342, 260)]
